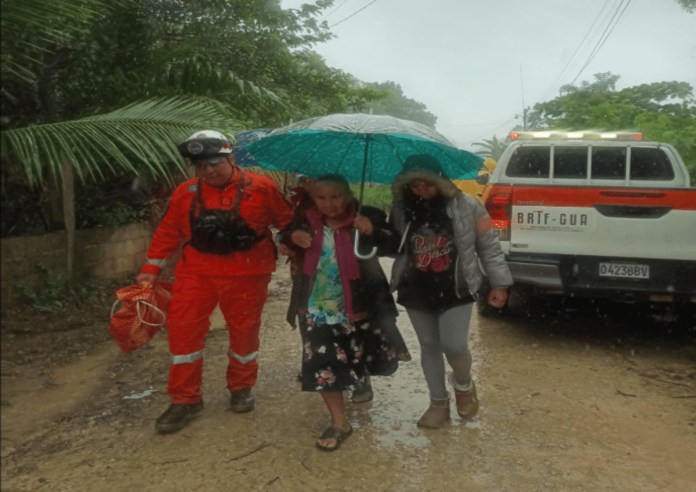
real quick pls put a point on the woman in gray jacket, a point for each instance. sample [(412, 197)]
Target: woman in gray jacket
[(446, 250)]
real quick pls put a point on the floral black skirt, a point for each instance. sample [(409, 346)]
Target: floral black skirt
[(336, 357)]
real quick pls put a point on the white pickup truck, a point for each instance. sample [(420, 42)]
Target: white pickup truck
[(595, 214)]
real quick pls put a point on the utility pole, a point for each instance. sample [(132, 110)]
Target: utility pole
[(524, 108)]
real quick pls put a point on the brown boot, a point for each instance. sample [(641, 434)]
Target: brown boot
[(467, 402), (437, 414)]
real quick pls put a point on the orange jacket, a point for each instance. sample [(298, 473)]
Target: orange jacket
[(261, 206)]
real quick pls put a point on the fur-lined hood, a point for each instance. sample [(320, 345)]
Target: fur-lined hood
[(427, 168)]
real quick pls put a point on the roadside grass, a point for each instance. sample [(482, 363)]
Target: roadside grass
[(375, 195)]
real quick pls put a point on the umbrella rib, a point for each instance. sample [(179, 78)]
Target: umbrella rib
[(356, 138)]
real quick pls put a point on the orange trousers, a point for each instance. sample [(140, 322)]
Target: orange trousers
[(241, 300)]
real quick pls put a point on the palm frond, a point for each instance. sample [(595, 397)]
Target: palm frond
[(144, 133), (199, 76), (32, 28), (39, 16)]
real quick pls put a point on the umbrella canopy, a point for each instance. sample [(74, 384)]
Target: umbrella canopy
[(242, 139), (360, 147)]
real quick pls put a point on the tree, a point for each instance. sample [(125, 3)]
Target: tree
[(101, 88), (492, 147), (94, 58), (393, 102), (79, 87), (688, 5), (663, 111)]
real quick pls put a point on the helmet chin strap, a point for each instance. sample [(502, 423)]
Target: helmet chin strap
[(236, 171)]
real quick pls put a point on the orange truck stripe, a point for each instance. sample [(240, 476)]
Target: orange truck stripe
[(582, 196)]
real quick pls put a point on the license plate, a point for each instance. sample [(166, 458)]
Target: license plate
[(623, 270)]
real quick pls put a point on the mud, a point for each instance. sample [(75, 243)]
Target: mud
[(579, 399)]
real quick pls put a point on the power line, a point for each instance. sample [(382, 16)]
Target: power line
[(605, 35), (577, 49), (353, 14), (493, 130), (336, 8)]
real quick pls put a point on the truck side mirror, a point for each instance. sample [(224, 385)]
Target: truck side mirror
[(483, 179)]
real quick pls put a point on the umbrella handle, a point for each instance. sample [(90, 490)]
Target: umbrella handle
[(356, 249)]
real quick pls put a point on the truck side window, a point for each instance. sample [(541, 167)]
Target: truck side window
[(570, 162), (608, 163), (529, 162), (650, 164)]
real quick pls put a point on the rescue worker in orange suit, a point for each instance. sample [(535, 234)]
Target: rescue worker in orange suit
[(222, 218)]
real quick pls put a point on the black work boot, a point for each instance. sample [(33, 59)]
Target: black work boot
[(241, 400), (177, 416), (363, 391)]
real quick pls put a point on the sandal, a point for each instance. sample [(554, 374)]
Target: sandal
[(335, 433)]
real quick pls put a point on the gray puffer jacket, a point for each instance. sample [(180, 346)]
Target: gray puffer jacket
[(478, 250)]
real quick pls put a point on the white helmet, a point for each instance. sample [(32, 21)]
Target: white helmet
[(205, 144)]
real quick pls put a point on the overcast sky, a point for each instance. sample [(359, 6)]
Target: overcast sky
[(473, 63)]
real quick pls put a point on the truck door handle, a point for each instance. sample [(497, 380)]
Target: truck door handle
[(631, 211)]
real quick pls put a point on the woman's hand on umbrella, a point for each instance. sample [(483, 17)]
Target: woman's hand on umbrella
[(303, 239), (498, 297), (363, 225)]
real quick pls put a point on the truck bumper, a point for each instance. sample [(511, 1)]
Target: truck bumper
[(542, 275), (668, 280)]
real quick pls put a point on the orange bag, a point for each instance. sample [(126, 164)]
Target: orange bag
[(143, 312)]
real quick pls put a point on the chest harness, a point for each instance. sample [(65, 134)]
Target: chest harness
[(220, 231)]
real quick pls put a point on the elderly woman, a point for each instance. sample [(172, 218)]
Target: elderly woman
[(342, 302)]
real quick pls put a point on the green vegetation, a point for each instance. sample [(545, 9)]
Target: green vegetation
[(376, 195), (105, 90), (663, 111), (96, 91), (395, 103), (491, 147), (51, 295), (688, 5)]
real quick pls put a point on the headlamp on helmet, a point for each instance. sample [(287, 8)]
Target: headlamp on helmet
[(206, 144)]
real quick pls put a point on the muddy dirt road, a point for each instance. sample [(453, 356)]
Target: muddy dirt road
[(582, 400)]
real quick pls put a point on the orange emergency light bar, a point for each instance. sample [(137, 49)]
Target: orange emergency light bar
[(574, 135)]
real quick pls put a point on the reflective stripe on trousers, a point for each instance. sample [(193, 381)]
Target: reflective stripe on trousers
[(187, 358), (241, 301), (244, 359)]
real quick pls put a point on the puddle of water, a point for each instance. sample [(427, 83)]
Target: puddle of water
[(137, 395)]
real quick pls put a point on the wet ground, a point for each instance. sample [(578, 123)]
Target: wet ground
[(582, 400)]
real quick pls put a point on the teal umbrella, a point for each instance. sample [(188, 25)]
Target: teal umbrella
[(360, 147), (242, 139)]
